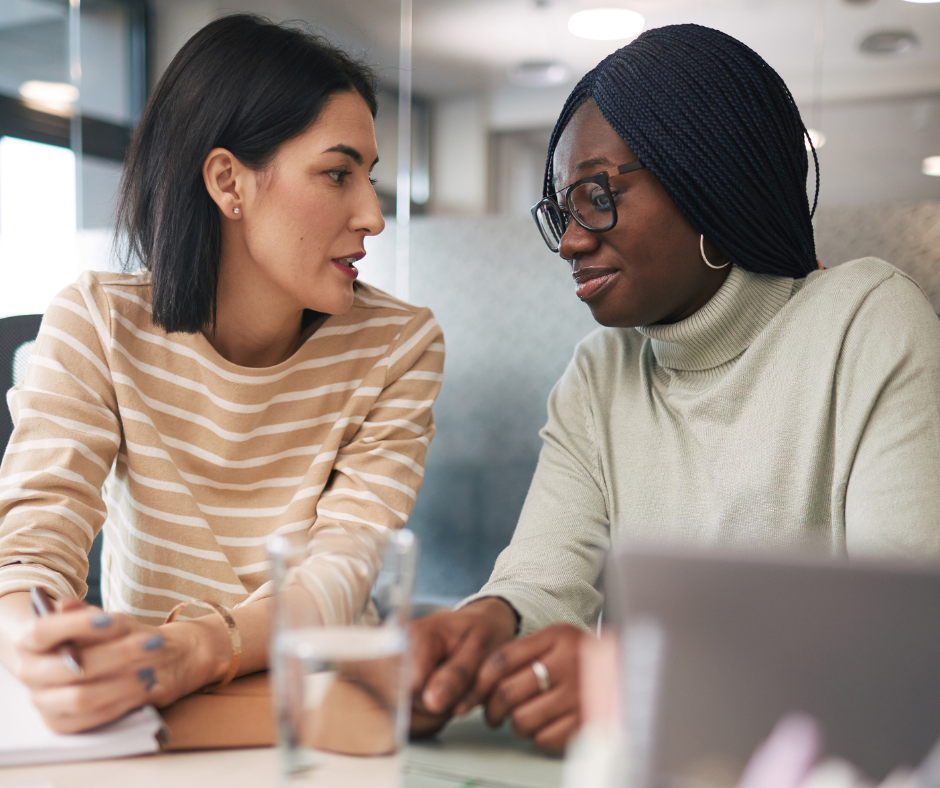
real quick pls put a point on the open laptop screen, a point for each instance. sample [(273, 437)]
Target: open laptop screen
[(745, 640)]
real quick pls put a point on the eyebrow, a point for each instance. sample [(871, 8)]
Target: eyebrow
[(353, 154), (594, 161)]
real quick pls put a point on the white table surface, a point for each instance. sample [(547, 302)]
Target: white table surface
[(466, 754)]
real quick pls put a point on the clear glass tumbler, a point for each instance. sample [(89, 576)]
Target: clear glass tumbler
[(341, 691)]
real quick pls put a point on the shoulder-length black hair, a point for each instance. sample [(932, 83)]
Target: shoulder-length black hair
[(241, 83)]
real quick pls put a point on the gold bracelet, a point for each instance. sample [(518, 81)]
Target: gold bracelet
[(233, 633)]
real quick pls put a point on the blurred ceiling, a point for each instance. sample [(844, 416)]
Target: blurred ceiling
[(466, 45)]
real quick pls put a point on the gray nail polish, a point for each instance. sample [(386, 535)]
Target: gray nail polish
[(153, 643), (146, 675), (101, 621)]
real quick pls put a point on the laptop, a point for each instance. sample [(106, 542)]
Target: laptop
[(718, 647)]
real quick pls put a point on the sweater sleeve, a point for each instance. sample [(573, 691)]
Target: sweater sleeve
[(889, 397), (375, 478), (549, 572), (65, 437)]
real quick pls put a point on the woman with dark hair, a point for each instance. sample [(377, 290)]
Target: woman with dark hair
[(739, 396), (243, 383)]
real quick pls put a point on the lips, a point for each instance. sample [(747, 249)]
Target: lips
[(591, 280), (347, 264)]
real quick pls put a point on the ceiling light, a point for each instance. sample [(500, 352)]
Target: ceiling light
[(931, 166), (606, 24), (922, 1), (55, 96), (817, 137), (889, 42), (539, 74)]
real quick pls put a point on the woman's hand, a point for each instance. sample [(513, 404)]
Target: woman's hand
[(448, 649), (125, 665), (508, 686)]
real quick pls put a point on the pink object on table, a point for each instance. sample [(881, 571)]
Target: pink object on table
[(600, 682), (788, 755)]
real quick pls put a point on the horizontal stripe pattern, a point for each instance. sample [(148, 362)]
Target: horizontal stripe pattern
[(190, 463)]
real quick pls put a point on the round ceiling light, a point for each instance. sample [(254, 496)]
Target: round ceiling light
[(539, 74), (55, 96), (817, 137), (889, 42), (931, 166), (606, 24)]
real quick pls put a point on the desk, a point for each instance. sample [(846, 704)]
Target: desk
[(467, 753)]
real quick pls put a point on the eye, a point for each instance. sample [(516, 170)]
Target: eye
[(373, 181), (599, 201), (338, 175)]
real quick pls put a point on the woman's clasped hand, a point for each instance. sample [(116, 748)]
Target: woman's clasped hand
[(467, 658), (124, 664)]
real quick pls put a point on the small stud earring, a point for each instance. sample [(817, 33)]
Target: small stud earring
[(236, 209)]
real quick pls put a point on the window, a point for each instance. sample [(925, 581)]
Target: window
[(62, 148)]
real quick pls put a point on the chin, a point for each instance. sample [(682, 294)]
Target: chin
[(332, 306), (608, 320)]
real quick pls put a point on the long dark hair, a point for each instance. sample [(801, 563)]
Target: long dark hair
[(241, 83), (719, 129)]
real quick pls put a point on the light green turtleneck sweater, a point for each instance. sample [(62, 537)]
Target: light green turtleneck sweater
[(784, 414)]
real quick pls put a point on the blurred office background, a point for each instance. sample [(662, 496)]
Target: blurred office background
[(488, 78)]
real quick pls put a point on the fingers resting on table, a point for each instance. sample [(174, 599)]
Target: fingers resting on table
[(467, 657), (448, 649), (509, 687)]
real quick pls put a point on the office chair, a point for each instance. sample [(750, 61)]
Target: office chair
[(17, 335)]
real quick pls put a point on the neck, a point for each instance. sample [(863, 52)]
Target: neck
[(257, 325)]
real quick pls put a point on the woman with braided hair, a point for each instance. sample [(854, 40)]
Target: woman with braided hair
[(737, 396)]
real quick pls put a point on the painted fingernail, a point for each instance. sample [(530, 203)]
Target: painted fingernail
[(153, 643), (146, 675), (101, 621)]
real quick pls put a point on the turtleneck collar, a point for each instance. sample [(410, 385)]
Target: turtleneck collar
[(723, 328)]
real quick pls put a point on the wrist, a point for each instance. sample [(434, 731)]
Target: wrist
[(205, 659), (501, 616), (208, 649)]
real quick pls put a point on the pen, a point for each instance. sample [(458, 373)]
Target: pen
[(43, 607)]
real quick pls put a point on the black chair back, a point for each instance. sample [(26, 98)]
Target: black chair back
[(15, 332)]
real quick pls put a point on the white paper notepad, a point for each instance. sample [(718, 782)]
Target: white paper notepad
[(25, 739)]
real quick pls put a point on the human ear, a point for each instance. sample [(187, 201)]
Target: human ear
[(224, 176)]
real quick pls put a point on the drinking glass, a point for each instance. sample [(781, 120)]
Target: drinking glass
[(340, 691)]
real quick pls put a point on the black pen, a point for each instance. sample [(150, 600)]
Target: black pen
[(42, 607)]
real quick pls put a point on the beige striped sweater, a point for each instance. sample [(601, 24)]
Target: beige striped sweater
[(190, 462)]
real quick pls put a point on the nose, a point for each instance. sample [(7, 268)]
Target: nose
[(577, 242), (367, 218)]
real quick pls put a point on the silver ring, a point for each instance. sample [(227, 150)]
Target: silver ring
[(541, 675)]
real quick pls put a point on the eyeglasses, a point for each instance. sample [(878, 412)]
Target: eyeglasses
[(589, 201)]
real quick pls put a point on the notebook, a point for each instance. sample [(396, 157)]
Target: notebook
[(25, 739)]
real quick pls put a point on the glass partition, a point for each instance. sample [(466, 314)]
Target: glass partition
[(72, 83)]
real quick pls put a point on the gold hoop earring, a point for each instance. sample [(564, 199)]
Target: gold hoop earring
[(701, 247)]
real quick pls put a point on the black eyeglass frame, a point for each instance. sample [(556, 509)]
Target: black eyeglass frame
[(602, 180)]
